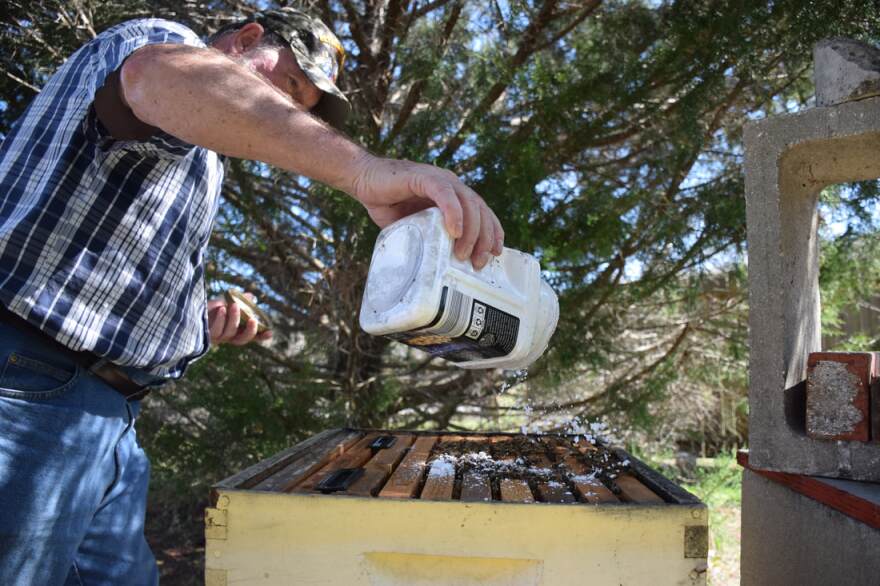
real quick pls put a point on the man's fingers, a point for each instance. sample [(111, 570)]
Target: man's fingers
[(464, 246), (215, 303), (498, 242), (246, 335), (486, 241), (216, 322), (441, 192), (385, 215), (394, 189), (233, 317)]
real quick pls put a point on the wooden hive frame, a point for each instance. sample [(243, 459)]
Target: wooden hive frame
[(413, 467), (419, 513)]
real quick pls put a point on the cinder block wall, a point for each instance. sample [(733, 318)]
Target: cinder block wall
[(789, 160), (789, 538)]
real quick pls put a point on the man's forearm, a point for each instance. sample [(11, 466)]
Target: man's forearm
[(203, 97), (206, 98)]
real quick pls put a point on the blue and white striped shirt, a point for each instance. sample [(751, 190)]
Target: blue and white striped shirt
[(101, 240)]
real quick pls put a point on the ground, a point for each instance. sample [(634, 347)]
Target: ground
[(176, 536)]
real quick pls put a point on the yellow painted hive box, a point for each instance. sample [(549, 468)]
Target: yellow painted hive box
[(371, 507)]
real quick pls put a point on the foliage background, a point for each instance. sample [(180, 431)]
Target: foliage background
[(607, 136)]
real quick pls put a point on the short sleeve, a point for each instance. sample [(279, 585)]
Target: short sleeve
[(108, 52), (110, 49)]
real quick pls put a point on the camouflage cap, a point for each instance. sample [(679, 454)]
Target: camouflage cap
[(319, 54)]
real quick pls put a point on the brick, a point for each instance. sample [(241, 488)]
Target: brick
[(875, 399), (838, 395)]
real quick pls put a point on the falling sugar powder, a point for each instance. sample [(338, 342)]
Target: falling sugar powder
[(511, 379)]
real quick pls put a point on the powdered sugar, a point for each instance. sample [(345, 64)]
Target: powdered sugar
[(442, 467)]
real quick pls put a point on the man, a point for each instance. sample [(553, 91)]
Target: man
[(109, 185)]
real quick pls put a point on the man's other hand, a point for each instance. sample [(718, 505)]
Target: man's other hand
[(224, 324), (392, 189)]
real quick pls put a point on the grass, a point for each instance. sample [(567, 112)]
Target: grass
[(719, 486)]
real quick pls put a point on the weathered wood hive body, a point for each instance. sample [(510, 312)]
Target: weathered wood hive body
[(370, 507)]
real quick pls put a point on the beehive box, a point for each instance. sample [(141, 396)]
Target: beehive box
[(371, 507)]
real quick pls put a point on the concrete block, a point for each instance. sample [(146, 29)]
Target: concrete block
[(838, 395), (789, 538), (845, 70), (789, 159)]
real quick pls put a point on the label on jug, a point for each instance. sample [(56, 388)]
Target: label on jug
[(464, 329)]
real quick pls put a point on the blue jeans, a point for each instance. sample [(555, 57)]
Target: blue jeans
[(73, 480)]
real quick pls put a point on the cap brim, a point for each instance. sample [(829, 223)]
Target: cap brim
[(333, 107), (333, 110)]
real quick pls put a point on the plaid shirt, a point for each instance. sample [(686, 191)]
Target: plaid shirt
[(102, 240)]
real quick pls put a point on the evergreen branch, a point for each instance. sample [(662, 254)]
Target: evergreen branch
[(21, 81), (415, 91), (527, 47)]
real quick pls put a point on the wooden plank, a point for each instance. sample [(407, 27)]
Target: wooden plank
[(631, 490), (848, 503), (380, 466), (252, 475), (514, 490), (668, 491), (552, 491), (591, 490), (555, 492), (440, 481), (561, 452), (404, 481), (354, 457), (494, 443), (444, 444), (475, 487), (540, 461), (305, 459), (588, 488), (586, 446), (368, 484), (389, 458)]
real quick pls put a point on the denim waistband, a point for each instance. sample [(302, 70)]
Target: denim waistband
[(42, 344)]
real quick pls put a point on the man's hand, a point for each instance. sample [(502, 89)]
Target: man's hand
[(224, 324), (391, 189)]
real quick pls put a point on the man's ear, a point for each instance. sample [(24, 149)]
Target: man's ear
[(247, 37)]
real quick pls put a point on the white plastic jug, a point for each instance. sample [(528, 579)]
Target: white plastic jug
[(418, 293)]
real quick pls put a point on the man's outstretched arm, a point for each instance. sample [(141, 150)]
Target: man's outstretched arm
[(205, 98)]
